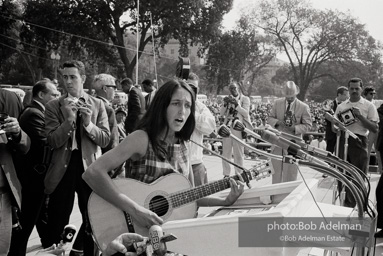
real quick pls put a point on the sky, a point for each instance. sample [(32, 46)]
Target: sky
[(369, 12)]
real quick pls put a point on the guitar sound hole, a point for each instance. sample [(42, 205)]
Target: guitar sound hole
[(159, 205)]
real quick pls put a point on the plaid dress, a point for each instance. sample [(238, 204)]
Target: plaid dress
[(150, 167)]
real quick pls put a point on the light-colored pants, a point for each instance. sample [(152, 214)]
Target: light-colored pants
[(5, 223), (230, 147), (283, 172), (200, 174)]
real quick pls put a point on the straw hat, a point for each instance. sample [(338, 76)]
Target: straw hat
[(291, 89)]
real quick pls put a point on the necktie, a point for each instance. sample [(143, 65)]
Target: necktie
[(76, 137), (288, 107), (78, 130)]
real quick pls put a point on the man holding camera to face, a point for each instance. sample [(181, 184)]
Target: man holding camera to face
[(235, 106), (12, 141), (77, 128), (360, 117)]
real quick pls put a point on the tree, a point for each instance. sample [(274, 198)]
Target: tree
[(189, 21), (238, 55), (8, 30), (310, 38)]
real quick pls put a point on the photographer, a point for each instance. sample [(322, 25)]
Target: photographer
[(289, 115), (12, 141), (235, 106), (366, 120)]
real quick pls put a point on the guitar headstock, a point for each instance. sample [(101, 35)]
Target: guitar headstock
[(260, 170)]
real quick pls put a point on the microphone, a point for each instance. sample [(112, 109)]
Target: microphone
[(225, 132), (158, 240), (315, 150), (292, 148), (283, 134), (333, 119), (68, 234), (238, 126)]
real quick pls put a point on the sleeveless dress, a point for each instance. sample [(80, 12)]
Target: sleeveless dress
[(150, 167)]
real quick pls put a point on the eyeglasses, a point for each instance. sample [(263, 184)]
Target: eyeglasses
[(372, 93), (111, 85)]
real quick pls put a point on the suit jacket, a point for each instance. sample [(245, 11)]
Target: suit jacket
[(59, 134), (301, 112), (10, 103), (148, 99), (32, 121), (136, 109), (112, 126)]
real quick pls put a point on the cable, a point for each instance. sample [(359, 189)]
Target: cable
[(109, 44), (22, 42), (316, 203), (24, 51)]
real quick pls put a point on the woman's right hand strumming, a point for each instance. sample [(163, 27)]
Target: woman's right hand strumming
[(146, 218)]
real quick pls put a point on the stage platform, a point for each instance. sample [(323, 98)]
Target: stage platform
[(323, 195)]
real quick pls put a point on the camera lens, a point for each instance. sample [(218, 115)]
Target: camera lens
[(347, 117)]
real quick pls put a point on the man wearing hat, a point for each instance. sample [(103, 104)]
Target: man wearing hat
[(288, 115)]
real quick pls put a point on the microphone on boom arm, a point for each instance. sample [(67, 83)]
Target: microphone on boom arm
[(291, 147), (238, 126)]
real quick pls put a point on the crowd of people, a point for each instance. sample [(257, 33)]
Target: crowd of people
[(58, 146)]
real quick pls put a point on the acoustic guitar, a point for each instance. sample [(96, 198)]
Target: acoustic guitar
[(171, 197)]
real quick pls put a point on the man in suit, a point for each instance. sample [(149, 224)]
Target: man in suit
[(341, 95), (149, 88), (77, 128), (12, 141), (105, 88), (236, 106), (136, 104), (32, 167), (289, 115)]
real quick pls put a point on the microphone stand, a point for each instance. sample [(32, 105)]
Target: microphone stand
[(342, 196), (335, 187)]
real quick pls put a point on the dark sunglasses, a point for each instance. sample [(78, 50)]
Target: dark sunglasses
[(111, 85)]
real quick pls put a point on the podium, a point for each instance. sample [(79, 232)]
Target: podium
[(217, 233)]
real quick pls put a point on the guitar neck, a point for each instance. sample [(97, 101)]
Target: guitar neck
[(187, 196)]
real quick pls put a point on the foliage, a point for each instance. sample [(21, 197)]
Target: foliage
[(238, 55), (8, 30), (109, 21), (310, 38)]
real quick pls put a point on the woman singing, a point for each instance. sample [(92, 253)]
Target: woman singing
[(158, 147)]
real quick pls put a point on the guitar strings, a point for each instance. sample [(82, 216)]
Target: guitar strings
[(180, 197)]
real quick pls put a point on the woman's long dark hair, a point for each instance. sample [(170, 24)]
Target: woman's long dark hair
[(155, 120)]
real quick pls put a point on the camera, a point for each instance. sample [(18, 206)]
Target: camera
[(289, 119), (3, 116), (347, 117)]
